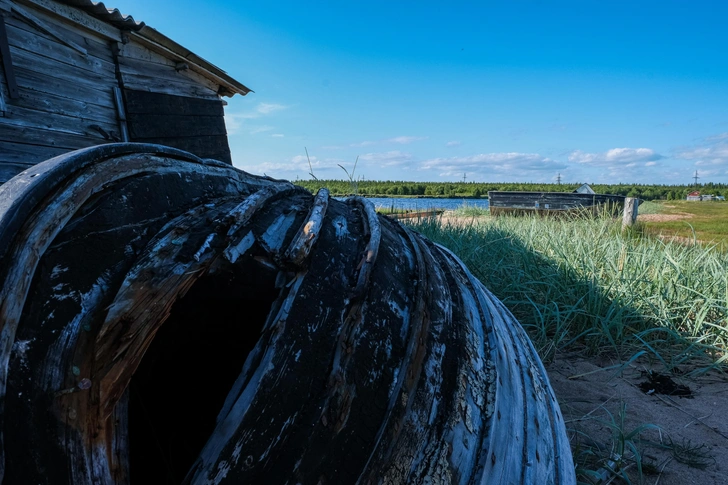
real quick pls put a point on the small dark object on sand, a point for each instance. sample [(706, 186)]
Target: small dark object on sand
[(662, 384)]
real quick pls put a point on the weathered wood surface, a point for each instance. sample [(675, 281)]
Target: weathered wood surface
[(59, 90), (142, 102), (65, 79), (304, 339), (629, 216), (502, 202)]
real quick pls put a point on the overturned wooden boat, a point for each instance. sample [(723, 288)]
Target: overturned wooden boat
[(168, 319), (581, 201), (416, 214)]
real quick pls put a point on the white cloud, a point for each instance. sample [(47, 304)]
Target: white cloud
[(487, 164), (263, 109), (713, 150), (267, 108), (650, 164), (710, 173), (387, 159), (362, 144), (296, 166), (261, 129), (406, 140), (453, 143), (615, 157), (233, 123), (718, 137), (401, 140), (277, 135)]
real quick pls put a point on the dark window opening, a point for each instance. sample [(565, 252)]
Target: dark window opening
[(188, 370)]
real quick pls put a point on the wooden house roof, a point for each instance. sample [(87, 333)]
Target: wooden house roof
[(110, 15)]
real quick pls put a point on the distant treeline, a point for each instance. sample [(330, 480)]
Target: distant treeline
[(477, 190)]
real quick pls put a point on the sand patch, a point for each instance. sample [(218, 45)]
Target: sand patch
[(587, 401), (663, 217)]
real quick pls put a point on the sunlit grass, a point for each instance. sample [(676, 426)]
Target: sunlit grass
[(467, 210), (702, 221), (583, 283)]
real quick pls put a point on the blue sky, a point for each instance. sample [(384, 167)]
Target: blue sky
[(604, 92)]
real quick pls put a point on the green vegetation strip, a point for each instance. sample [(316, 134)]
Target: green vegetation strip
[(477, 189), (582, 284)]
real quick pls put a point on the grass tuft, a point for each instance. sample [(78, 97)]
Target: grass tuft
[(583, 283)]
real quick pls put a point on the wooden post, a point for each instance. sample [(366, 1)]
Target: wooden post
[(630, 212)]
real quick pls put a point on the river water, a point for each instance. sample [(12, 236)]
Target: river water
[(423, 204)]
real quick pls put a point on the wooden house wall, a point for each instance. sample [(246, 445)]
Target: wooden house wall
[(66, 99), (191, 124), (168, 103), (66, 73)]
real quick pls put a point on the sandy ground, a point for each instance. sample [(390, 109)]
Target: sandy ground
[(448, 218), (663, 217), (589, 391)]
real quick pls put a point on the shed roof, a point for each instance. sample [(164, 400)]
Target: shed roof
[(228, 85), (585, 189)]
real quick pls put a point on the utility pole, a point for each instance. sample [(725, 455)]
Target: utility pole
[(558, 178), (695, 177)]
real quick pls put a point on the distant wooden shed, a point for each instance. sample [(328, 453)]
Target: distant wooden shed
[(695, 195), (76, 74)]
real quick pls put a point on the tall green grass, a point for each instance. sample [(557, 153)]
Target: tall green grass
[(468, 210), (582, 283)]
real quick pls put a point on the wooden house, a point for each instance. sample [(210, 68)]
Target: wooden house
[(76, 74)]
